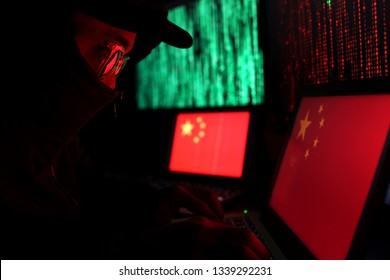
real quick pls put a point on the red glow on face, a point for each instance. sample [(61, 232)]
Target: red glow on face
[(210, 143), (328, 169)]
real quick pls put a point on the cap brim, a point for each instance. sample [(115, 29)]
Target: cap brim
[(175, 36), (140, 16)]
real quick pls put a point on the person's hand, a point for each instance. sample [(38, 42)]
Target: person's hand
[(167, 204), (200, 202), (150, 207), (195, 238)]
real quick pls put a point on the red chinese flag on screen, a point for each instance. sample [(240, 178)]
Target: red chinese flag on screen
[(210, 143), (328, 168)]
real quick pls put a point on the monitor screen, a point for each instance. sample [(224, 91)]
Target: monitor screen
[(328, 168), (210, 143), (224, 67), (323, 42)]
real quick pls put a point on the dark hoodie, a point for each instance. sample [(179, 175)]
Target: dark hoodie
[(53, 204)]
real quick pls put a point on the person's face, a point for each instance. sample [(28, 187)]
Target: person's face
[(102, 45)]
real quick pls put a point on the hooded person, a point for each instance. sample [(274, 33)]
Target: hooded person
[(54, 203)]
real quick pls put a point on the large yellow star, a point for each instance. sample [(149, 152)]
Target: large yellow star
[(186, 128), (304, 125)]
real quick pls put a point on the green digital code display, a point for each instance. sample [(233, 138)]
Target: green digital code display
[(223, 68)]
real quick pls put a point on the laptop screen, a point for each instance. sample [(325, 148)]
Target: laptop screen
[(210, 143), (328, 167)]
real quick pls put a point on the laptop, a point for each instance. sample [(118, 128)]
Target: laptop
[(208, 150), (331, 178)]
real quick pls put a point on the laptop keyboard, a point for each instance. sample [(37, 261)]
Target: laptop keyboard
[(246, 222), (224, 194)]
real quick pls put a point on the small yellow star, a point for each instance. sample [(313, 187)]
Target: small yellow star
[(307, 153), (321, 123), (315, 143), (321, 109)]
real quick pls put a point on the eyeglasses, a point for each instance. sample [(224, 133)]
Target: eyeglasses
[(114, 60)]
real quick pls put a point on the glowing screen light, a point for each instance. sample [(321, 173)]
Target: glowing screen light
[(210, 143), (224, 67), (328, 168), (324, 41)]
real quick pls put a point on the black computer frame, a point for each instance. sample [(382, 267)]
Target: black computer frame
[(254, 111)]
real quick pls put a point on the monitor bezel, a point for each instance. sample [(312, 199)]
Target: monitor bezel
[(230, 181)]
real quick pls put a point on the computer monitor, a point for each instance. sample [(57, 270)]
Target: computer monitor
[(323, 42), (223, 68), (332, 170), (210, 143)]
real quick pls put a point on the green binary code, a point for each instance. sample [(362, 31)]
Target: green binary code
[(223, 68)]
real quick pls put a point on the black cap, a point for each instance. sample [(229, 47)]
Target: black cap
[(141, 16)]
